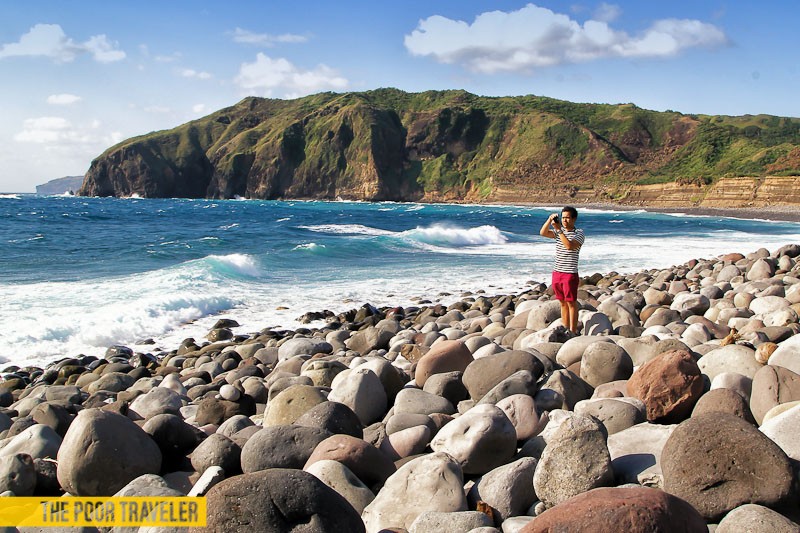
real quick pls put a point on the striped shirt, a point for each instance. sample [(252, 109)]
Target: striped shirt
[(567, 260)]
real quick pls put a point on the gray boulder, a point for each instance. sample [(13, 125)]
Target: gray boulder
[(102, 452)]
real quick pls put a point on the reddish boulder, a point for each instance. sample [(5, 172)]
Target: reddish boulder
[(633, 510), (669, 385), (367, 462), (444, 356)]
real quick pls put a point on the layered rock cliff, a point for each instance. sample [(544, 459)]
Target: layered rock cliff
[(451, 146)]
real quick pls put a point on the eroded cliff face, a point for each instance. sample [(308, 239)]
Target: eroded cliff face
[(726, 193), (445, 146)]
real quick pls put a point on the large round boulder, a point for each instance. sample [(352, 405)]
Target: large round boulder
[(444, 356), (481, 439), (718, 461), (485, 373), (431, 482), (287, 446), (102, 452), (278, 500)]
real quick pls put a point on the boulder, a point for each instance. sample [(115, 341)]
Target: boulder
[(173, 436), (723, 401), (730, 358), (485, 373), (342, 480), (506, 489), (420, 402), (575, 460), (39, 441), (444, 356), (217, 450), (569, 386), (717, 462), (773, 385), (303, 346), (292, 403), (278, 500), (753, 517), (603, 362), (367, 462), (17, 474), (406, 442), (159, 400), (102, 452), (633, 510), (669, 385), (782, 430), (432, 482), (481, 439), (369, 339), (616, 414), (448, 385), (572, 351), (636, 453), (455, 522), (787, 354), (521, 411), (286, 446), (362, 391), (334, 418)]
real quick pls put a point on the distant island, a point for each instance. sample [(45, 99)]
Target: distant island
[(63, 185), (455, 146)]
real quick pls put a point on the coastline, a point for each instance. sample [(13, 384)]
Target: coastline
[(777, 213)]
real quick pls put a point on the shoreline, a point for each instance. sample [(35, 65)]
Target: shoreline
[(774, 213)]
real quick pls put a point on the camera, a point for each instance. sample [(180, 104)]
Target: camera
[(555, 219)]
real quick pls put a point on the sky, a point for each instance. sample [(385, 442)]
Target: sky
[(79, 77)]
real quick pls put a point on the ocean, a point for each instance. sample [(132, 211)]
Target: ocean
[(80, 274)]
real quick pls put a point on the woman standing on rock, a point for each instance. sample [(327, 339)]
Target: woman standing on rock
[(569, 240)]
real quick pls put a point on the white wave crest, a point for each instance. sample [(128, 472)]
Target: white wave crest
[(347, 229), (239, 263), (445, 235), (309, 246), (10, 196)]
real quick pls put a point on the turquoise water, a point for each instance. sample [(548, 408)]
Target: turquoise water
[(79, 274)]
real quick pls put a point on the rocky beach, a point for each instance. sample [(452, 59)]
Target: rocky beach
[(677, 408)]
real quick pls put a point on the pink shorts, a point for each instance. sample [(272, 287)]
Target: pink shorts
[(565, 285)]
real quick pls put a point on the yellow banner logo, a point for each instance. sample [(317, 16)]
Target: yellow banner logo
[(103, 512)]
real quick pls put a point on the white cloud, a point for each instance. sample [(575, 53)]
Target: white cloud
[(199, 108), (103, 50), (607, 12), (534, 37), (63, 99), (266, 75), (265, 39), (191, 73), (49, 40), (60, 135)]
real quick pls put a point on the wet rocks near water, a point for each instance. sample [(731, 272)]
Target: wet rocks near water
[(676, 408)]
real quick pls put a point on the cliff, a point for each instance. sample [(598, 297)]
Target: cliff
[(60, 185), (454, 146)]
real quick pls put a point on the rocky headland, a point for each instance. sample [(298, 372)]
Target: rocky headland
[(453, 146), (677, 408)]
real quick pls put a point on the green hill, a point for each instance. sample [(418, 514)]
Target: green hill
[(388, 144)]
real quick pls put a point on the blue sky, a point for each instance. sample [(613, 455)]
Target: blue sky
[(78, 77)]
